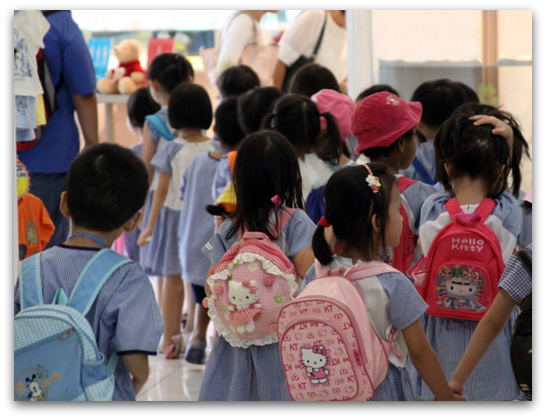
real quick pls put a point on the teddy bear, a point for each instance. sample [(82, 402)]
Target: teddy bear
[(129, 75)]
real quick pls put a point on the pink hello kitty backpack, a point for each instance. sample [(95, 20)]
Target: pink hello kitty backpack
[(250, 284), (459, 276), (330, 350)]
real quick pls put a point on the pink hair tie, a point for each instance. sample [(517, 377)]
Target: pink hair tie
[(276, 201), (373, 181)]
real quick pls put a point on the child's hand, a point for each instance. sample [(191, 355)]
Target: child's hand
[(456, 386), (499, 127), (144, 237)]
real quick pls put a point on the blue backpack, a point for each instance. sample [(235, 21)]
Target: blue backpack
[(160, 126), (56, 355)]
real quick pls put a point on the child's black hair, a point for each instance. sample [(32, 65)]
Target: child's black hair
[(375, 152), (106, 186), (227, 125), (297, 118), (266, 166), (376, 88), (311, 78), (139, 105), (190, 107), (236, 80), (440, 98), (475, 151), (170, 69), (253, 105), (349, 207)]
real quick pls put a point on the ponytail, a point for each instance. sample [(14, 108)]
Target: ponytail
[(329, 146), (321, 248)]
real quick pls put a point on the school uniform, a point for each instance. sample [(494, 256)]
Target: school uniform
[(124, 317), (254, 373), (493, 378)]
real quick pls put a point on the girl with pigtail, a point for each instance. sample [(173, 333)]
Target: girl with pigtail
[(320, 153), (362, 217)]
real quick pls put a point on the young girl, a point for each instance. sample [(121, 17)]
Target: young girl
[(266, 167), (190, 111), (196, 225), (139, 104), (473, 162), (299, 120), (166, 71), (362, 217)]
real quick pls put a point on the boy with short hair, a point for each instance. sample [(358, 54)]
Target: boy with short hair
[(106, 188)]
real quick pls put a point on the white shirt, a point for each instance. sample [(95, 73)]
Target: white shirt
[(238, 32), (301, 38)]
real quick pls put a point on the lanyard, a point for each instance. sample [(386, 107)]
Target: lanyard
[(89, 236)]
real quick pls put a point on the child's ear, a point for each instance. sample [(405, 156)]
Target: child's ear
[(447, 168), (376, 226), (63, 206), (132, 223)]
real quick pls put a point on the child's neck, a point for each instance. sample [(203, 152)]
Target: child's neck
[(392, 163), (82, 241), (192, 135), (469, 191)]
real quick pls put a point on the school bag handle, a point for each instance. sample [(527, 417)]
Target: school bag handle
[(481, 213)]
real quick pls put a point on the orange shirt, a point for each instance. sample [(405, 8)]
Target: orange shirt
[(35, 225)]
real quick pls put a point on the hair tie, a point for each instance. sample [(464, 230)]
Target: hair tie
[(373, 181), (323, 222), (274, 121), (276, 201)]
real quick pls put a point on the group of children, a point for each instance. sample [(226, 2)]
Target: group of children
[(291, 148)]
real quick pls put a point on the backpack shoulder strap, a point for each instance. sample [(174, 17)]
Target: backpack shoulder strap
[(368, 269), (160, 126), (404, 183), (422, 172), (484, 209), (30, 282), (231, 156), (97, 271)]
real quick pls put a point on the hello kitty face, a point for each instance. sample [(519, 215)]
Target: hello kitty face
[(313, 357), (242, 294), (461, 288)]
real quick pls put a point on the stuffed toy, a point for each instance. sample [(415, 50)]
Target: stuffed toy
[(129, 75)]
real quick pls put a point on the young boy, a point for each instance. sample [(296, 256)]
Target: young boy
[(106, 188)]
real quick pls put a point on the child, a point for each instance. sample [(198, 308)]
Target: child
[(236, 80), (139, 105), (166, 71), (473, 163), (362, 217), (514, 287), (299, 120), (266, 167), (106, 188), (312, 78), (190, 112), (384, 126), (197, 226), (439, 99), (376, 88)]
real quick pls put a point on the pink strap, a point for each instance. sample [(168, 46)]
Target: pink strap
[(392, 346), (368, 269), (404, 183)]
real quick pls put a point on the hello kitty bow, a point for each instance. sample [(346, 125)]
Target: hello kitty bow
[(247, 284), (319, 350), (373, 181)]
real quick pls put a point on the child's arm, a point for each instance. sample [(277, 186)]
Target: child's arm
[(137, 365), (148, 150), (157, 203), (426, 362), (303, 261), (487, 330)]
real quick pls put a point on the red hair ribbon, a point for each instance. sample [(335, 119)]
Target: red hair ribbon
[(323, 222)]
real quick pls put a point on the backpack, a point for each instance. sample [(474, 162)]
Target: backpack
[(459, 277), (249, 285), (521, 349), (314, 205), (330, 350), (160, 126), (403, 253), (56, 355)]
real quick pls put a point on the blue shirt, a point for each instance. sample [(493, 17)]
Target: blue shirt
[(69, 61), (424, 155)]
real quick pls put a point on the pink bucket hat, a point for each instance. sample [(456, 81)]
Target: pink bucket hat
[(382, 118), (339, 105)]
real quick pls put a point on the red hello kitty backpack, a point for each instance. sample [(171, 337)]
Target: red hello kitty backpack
[(250, 284), (403, 253), (459, 276), (330, 350)]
